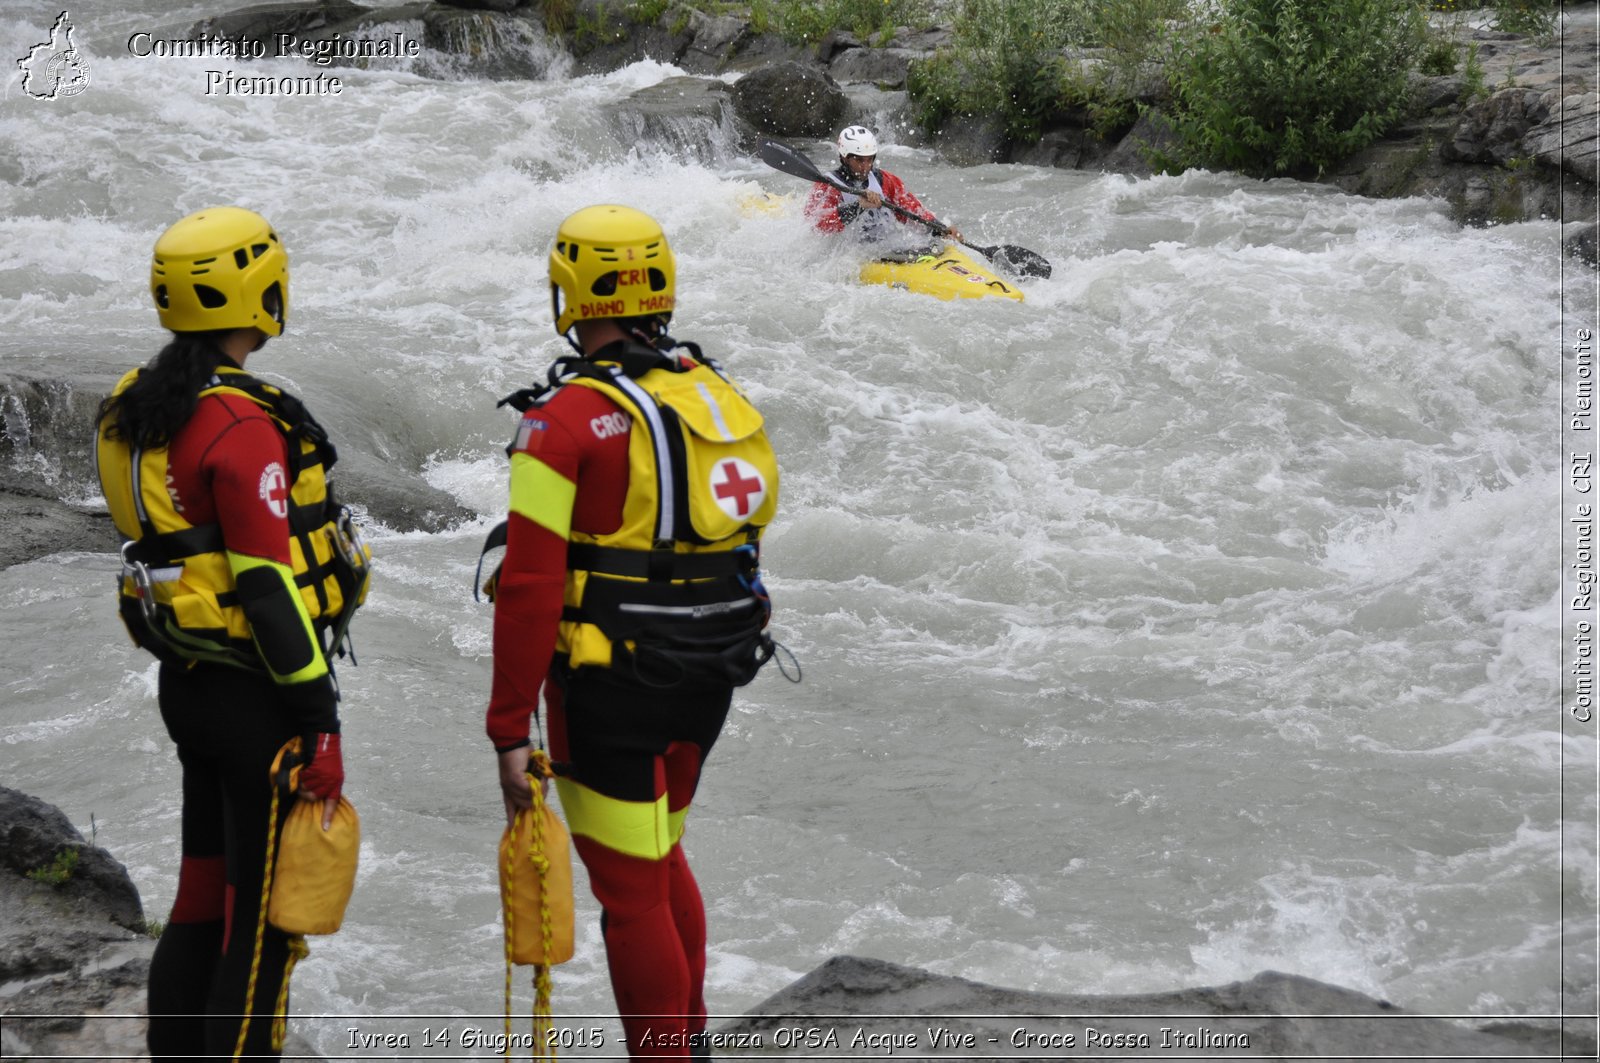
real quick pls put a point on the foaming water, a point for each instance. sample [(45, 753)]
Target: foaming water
[(1196, 616)]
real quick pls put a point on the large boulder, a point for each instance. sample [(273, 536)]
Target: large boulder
[(1492, 129), (873, 1004), (62, 900), (790, 99), (261, 23), (1568, 138)]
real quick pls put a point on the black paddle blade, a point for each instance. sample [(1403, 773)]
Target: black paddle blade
[(787, 160), (1020, 260)]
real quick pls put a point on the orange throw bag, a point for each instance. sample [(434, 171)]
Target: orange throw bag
[(316, 868), (536, 885)]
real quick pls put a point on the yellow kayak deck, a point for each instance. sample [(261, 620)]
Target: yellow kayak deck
[(950, 274)]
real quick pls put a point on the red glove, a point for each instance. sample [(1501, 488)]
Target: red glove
[(324, 776)]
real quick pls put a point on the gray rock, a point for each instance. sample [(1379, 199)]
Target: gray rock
[(1150, 136), (881, 66), (1429, 94), (715, 38), (609, 38), (46, 454), (262, 22), (1569, 137), (972, 140), (486, 5), (488, 44), (1491, 130), (790, 100), (1582, 244), (48, 926), (1271, 1015), (99, 1013)]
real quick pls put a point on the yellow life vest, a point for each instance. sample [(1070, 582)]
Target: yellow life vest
[(176, 592), (675, 592)]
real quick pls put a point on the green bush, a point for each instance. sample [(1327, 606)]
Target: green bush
[(808, 21), (1007, 58), (1526, 16), (1291, 87)]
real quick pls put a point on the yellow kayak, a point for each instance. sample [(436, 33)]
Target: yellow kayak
[(950, 274)]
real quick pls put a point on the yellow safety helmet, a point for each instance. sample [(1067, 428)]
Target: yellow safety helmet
[(221, 268), (610, 261)]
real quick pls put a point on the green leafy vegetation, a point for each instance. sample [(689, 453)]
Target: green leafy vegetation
[(1031, 62), (1526, 16), (808, 21), (1290, 87), (58, 870)]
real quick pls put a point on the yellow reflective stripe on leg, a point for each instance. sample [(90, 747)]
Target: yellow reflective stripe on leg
[(675, 824), (239, 564), (541, 494), (633, 828)]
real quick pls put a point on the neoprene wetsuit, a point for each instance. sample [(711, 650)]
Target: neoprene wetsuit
[(226, 466), (633, 750)]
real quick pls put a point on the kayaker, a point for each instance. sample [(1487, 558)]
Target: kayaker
[(832, 210), (630, 596)]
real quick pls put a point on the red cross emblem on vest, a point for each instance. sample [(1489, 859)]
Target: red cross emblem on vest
[(738, 488)]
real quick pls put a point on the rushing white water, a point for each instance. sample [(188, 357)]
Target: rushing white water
[(1198, 616)]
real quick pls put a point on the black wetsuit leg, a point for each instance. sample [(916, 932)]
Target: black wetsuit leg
[(228, 725)]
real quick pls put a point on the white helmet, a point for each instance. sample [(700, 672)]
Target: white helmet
[(857, 140)]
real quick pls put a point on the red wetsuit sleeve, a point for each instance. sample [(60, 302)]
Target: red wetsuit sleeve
[(822, 207), (896, 192), (569, 472)]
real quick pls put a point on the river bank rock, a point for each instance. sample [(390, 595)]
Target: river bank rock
[(49, 494), (791, 99), (1516, 140), (74, 945), (70, 919), (868, 1003), (74, 963)]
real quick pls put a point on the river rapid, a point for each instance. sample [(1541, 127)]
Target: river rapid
[(1198, 616)]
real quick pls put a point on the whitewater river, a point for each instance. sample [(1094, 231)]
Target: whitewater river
[(1199, 616)]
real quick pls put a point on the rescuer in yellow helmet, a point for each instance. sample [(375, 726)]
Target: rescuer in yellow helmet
[(630, 594), (240, 574)]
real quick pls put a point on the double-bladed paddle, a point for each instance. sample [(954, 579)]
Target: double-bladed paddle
[(787, 160)]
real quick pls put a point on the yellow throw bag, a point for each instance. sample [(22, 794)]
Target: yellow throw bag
[(536, 886), (315, 872), (316, 869)]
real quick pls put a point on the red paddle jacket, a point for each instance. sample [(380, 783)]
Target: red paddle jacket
[(830, 213)]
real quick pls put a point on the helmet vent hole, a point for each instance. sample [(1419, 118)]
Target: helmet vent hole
[(272, 302), (209, 297), (161, 296), (257, 250), (605, 284), (572, 252), (241, 259), (658, 280)]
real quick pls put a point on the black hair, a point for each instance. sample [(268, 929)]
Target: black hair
[(149, 412)]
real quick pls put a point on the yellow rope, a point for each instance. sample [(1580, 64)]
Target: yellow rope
[(298, 950), (261, 915), (543, 1042)]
